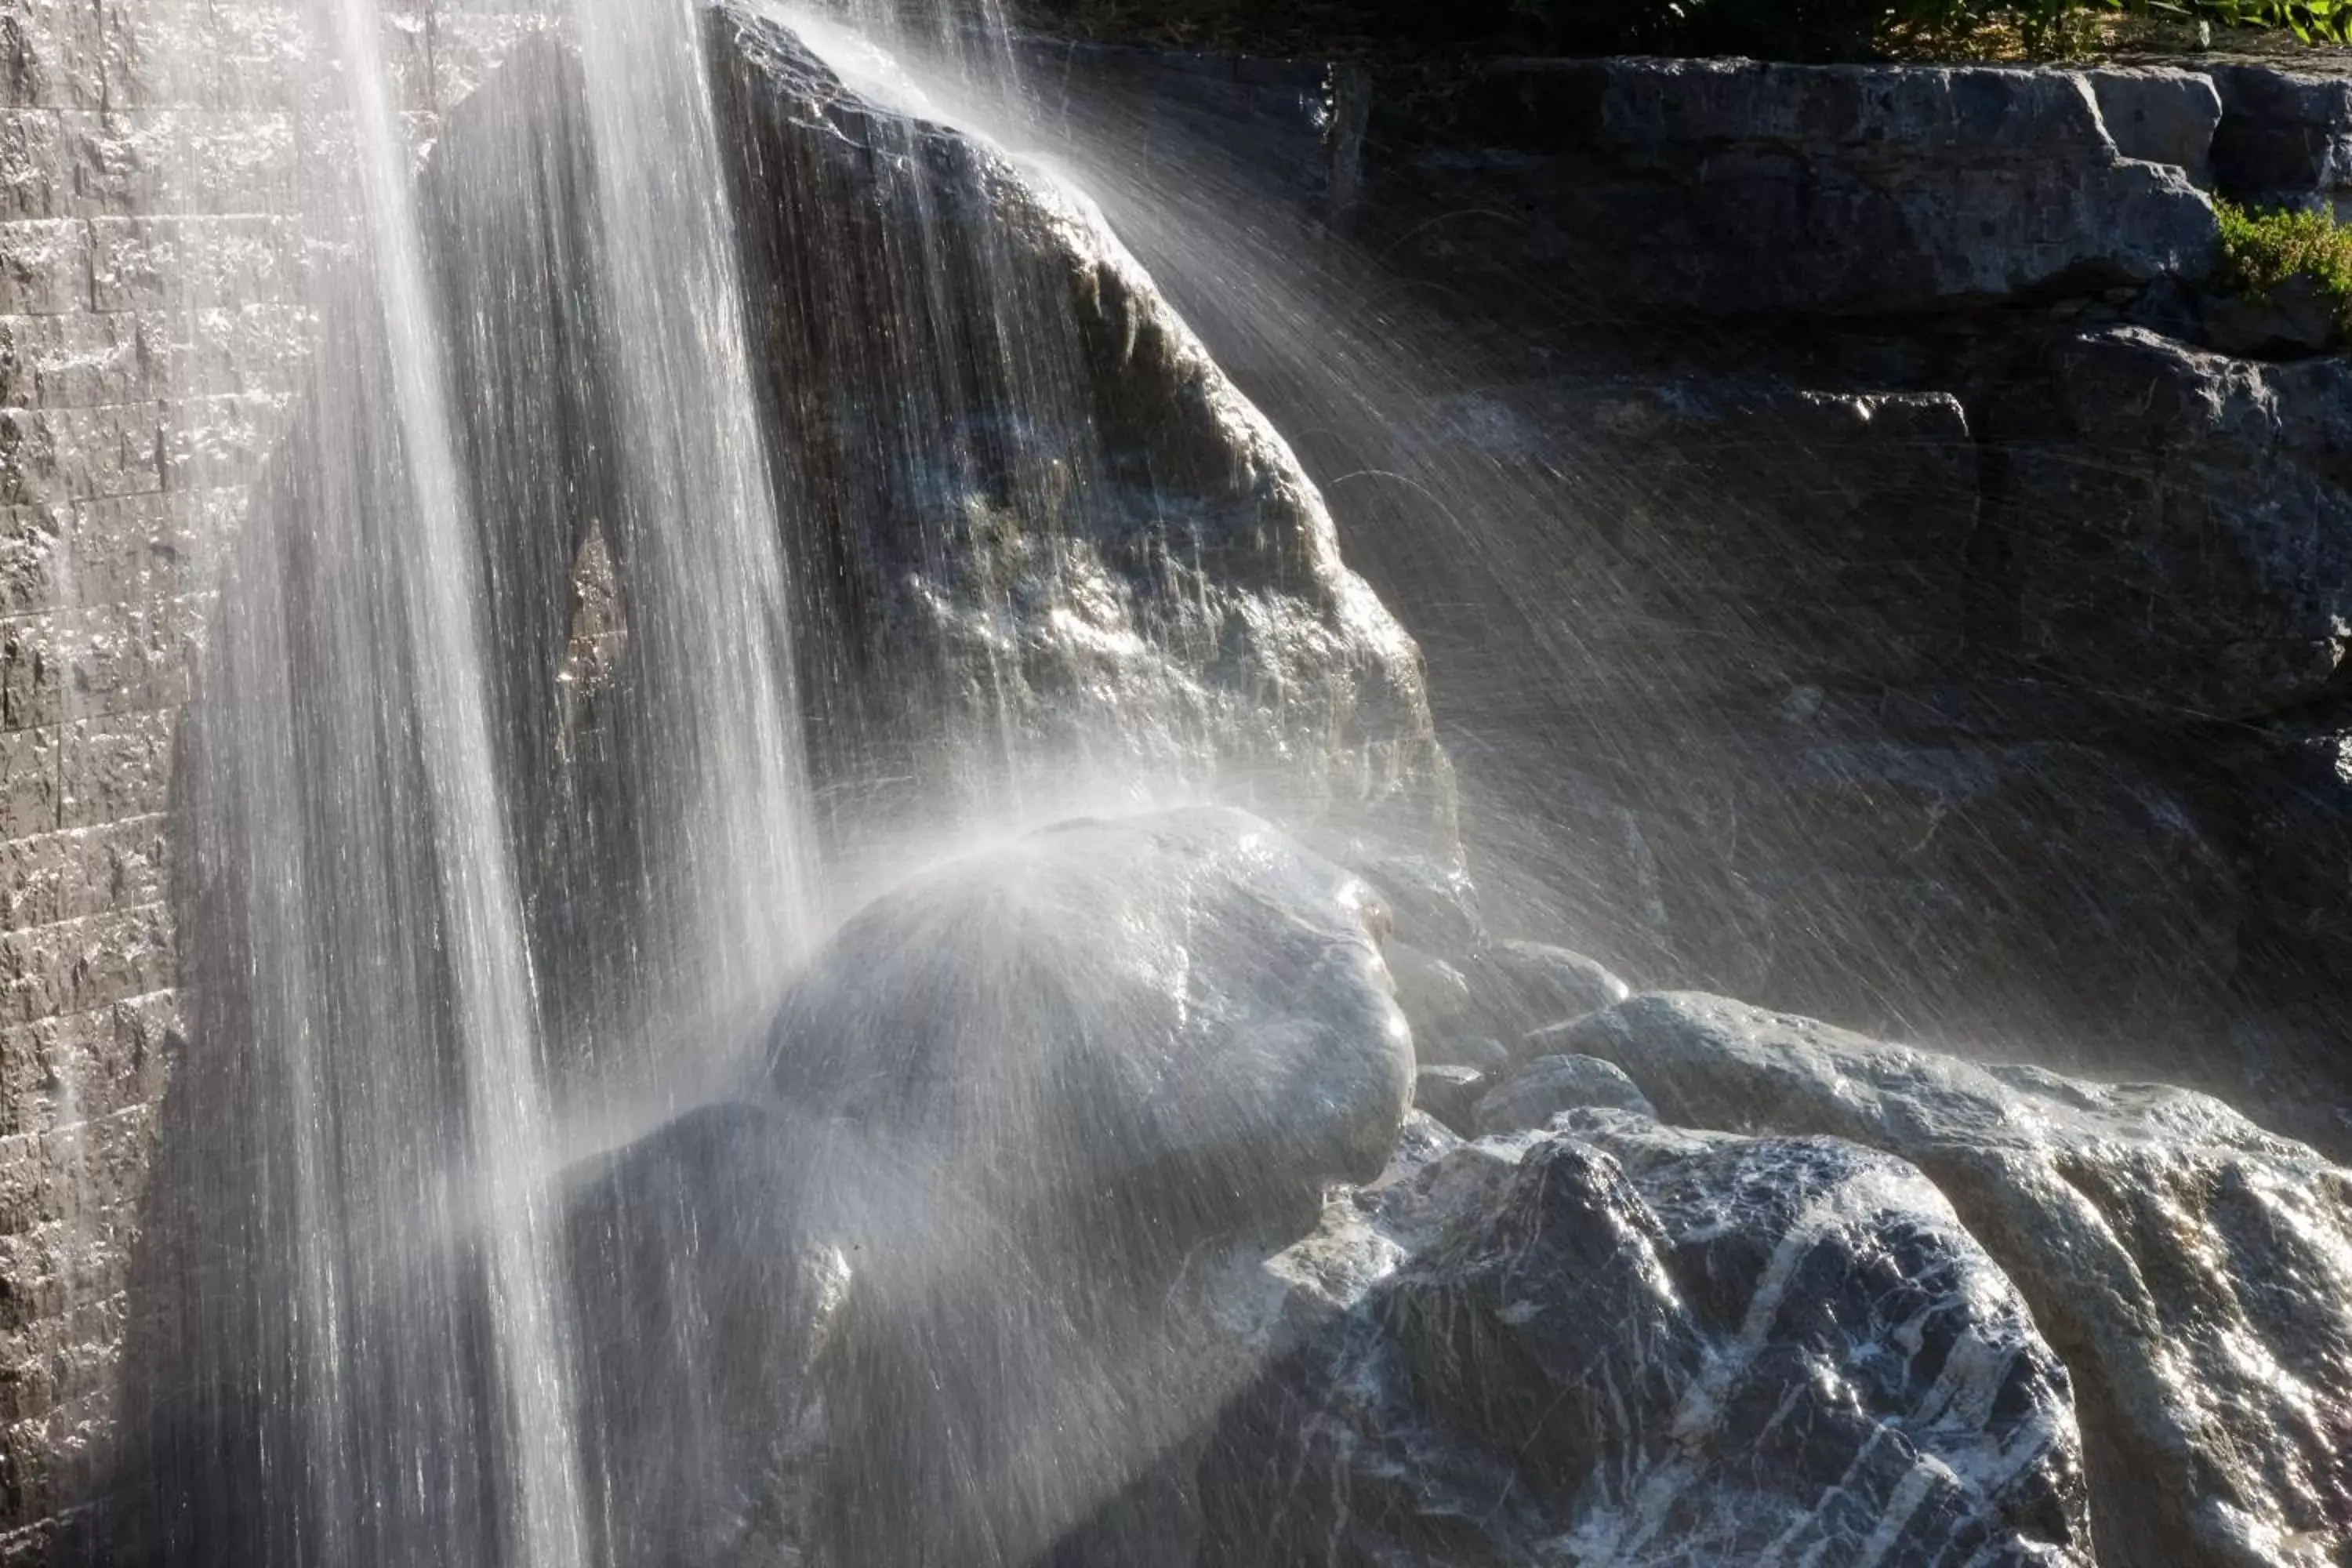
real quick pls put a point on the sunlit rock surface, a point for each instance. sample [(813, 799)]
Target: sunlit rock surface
[(1617, 1343), (2194, 1271), (1038, 522)]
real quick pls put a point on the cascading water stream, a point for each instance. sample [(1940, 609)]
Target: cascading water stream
[(488, 966)]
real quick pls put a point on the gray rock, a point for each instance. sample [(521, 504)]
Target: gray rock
[(2160, 115), (1965, 888), (1821, 533), (2285, 139), (1450, 1094), (704, 1298), (1726, 187), (1076, 1061), (1434, 903), (2174, 524), (1045, 533), (1648, 1347), (2195, 1272), (1527, 986), (2293, 319), (1482, 1052), (1434, 993), (1549, 1084), (1184, 1004)]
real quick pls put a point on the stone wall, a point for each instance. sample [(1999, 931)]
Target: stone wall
[(171, 178)]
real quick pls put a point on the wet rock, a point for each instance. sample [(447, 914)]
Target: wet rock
[(1549, 1084), (704, 1298), (1527, 986), (2194, 1271), (1652, 1347), (2172, 523), (1450, 1094), (1962, 888), (1434, 993), (1433, 904), (1045, 535), (1048, 1074), (1184, 1007), (1726, 187), (1482, 1052)]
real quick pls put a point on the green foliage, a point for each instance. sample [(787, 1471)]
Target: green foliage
[(1777, 29), (2263, 251)]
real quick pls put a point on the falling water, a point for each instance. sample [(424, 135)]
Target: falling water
[(356, 1349)]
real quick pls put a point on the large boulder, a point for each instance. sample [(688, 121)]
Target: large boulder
[(1042, 534), (1618, 1343), (2194, 1271), (1039, 1079), (2173, 523)]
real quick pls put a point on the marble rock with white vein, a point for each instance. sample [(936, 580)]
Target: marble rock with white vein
[(1616, 1343)]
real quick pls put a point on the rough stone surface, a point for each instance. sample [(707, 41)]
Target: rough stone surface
[(1086, 548), (2173, 523), (1549, 1084), (1959, 887), (1450, 1094), (2285, 139), (1733, 188), (1525, 985), (2195, 1272), (1647, 1346), (2160, 116), (153, 160)]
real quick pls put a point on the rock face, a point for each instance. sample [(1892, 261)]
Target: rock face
[(2195, 1272), (1646, 1346), (1734, 188), (2173, 523), (1037, 518), (2043, 889), (1836, 594)]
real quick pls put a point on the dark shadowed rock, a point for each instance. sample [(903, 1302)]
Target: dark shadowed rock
[(2285, 138), (2195, 1272), (1549, 1084), (704, 1296), (1959, 887), (1648, 1347), (1729, 187), (2174, 524), (1450, 1094)]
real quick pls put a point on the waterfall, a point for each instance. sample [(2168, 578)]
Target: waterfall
[(356, 1345)]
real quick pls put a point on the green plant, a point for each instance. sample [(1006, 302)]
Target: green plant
[(1781, 29), (2313, 21), (2263, 251)]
